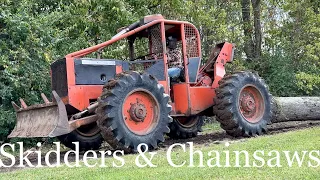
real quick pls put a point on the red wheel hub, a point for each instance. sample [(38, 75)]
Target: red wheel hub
[(251, 104), (247, 102), (140, 111)]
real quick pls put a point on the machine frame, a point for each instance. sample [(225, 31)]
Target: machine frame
[(190, 98)]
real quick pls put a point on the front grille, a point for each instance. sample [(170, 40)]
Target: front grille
[(59, 77)]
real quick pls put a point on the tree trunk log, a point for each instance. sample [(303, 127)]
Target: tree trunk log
[(256, 6), (296, 109), (247, 29)]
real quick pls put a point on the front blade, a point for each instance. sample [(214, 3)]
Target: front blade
[(42, 120)]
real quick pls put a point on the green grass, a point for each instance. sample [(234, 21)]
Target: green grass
[(211, 127), (308, 139)]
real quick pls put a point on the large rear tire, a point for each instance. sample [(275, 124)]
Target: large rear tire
[(88, 136), (243, 104), (133, 109), (185, 127)]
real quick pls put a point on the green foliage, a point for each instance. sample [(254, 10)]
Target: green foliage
[(23, 44), (7, 118), (279, 74), (309, 83)]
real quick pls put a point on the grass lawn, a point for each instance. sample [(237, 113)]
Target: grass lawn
[(302, 140)]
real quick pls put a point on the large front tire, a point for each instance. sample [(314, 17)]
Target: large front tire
[(133, 109), (243, 104)]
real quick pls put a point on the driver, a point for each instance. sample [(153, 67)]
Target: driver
[(174, 58)]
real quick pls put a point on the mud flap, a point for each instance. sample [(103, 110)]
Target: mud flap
[(41, 120)]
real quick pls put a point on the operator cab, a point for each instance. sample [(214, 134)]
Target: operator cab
[(147, 50)]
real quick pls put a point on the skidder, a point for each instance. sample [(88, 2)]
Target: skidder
[(133, 100)]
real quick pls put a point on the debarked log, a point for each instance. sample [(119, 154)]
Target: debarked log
[(295, 109)]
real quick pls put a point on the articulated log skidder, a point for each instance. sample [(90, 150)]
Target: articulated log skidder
[(131, 100)]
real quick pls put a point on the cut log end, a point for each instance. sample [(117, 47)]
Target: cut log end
[(295, 109)]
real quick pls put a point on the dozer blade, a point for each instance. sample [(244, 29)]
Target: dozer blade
[(41, 120)]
